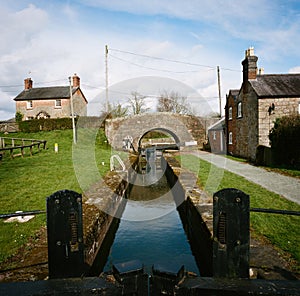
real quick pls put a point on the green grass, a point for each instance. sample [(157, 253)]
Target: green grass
[(26, 182), (282, 230)]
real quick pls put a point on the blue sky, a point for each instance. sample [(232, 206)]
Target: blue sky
[(50, 40)]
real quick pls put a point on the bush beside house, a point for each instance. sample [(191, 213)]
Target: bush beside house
[(285, 141)]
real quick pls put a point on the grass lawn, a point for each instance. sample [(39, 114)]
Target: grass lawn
[(26, 182), (282, 230)]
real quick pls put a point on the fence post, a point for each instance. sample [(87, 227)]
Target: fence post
[(65, 234), (231, 234)]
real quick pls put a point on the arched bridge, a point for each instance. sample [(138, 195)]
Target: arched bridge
[(185, 129)]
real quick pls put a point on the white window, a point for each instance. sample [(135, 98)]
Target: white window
[(214, 135), (58, 103), (230, 138), (29, 105), (239, 109), (299, 108), (230, 113)]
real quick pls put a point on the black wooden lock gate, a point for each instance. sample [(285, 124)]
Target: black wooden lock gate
[(65, 234), (231, 244)]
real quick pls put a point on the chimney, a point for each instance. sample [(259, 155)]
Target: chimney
[(76, 81), (249, 65), (27, 83)]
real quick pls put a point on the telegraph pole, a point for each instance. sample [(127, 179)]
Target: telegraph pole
[(72, 112), (219, 87), (106, 79)]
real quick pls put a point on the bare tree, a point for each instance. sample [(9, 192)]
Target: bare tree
[(116, 110), (173, 102), (137, 103)]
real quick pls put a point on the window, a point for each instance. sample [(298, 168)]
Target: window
[(29, 105), (230, 138), (230, 113), (58, 103), (299, 108), (214, 135), (239, 109)]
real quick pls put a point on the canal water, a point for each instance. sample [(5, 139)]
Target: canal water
[(150, 230)]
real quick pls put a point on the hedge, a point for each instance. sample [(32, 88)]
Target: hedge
[(35, 125)]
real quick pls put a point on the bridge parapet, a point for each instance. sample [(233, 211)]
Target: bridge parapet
[(183, 128)]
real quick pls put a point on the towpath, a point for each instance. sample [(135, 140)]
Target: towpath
[(286, 186)]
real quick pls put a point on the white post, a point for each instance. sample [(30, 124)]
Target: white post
[(72, 112), (106, 79)]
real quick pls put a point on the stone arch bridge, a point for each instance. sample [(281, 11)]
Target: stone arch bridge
[(186, 130)]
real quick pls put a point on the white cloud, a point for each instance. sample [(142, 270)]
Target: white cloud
[(58, 40)]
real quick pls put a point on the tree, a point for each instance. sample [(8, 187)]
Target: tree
[(137, 103), (19, 116), (115, 110), (285, 140), (173, 102)]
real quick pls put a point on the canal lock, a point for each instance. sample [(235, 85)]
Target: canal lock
[(153, 170)]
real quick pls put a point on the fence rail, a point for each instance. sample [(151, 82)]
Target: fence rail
[(12, 144), (273, 211)]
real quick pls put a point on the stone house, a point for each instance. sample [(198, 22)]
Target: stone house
[(216, 137), (250, 112), (50, 102)]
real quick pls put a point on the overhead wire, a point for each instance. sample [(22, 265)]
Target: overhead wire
[(170, 60), (155, 69)]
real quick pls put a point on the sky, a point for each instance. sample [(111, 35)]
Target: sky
[(153, 46)]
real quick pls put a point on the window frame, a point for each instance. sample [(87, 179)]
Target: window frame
[(239, 110), (29, 104), (230, 113), (230, 138), (56, 103)]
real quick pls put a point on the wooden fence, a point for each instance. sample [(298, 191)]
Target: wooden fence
[(19, 144)]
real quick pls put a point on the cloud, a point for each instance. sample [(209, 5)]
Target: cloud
[(53, 40)]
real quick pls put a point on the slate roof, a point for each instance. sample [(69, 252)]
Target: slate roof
[(219, 125), (234, 92), (276, 85), (45, 93)]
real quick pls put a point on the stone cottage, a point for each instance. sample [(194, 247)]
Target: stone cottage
[(250, 112), (50, 102)]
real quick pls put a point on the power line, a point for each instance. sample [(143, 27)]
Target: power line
[(155, 69), (170, 60)]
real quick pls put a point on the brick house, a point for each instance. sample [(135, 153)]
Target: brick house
[(50, 102), (251, 111), (216, 137)]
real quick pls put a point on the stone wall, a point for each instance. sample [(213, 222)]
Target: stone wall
[(283, 107), (182, 128)]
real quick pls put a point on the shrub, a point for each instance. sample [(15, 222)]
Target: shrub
[(285, 140), (19, 116)]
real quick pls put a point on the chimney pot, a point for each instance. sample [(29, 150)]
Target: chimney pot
[(27, 83), (76, 80), (261, 71)]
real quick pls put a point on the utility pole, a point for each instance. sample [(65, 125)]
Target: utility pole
[(72, 112), (219, 87), (106, 79)]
